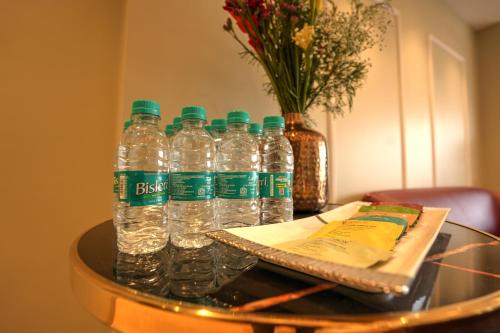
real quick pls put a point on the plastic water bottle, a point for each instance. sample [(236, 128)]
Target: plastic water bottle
[(238, 165), (140, 207), (276, 174), (219, 128), (192, 178), (177, 124), (127, 124), (209, 129), (116, 184), (255, 130), (169, 132)]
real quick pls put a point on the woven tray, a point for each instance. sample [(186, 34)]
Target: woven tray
[(392, 276)]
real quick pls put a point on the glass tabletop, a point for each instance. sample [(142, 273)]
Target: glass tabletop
[(462, 265)]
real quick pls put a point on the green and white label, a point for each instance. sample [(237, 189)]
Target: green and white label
[(275, 184), (191, 186), (142, 188), (116, 181), (237, 185)]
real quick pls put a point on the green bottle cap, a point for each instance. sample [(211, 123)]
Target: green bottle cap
[(238, 117), (255, 128), (194, 112), (177, 122), (145, 106), (219, 124), (274, 121), (208, 128), (127, 124), (169, 130)]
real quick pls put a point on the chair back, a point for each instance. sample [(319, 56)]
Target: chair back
[(472, 206)]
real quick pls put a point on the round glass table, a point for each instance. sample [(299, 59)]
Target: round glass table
[(221, 289)]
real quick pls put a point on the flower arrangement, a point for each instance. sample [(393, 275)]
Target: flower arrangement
[(310, 50)]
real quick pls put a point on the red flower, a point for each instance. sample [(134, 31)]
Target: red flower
[(255, 4), (257, 45), (289, 7), (248, 16)]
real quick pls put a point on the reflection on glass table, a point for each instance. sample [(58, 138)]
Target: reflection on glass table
[(212, 275), (458, 282), (190, 274), (144, 272)]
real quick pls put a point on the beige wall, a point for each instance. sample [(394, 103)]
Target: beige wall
[(488, 68), (59, 65), (178, 54), (397, 134), (429, 27), (63, 103)]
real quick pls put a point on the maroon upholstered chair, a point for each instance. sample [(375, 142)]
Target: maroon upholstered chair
[(472, 206)]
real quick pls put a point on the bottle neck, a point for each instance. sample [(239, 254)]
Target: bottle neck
[(218, 132), (273, 131), (145, 119), (293, 120), (237, 127), (192, 123)]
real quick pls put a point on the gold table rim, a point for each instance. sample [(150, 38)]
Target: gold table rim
[(474, 307)]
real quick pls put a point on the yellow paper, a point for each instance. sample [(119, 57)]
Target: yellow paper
[(336, 250), (354, 243), (381, 235)]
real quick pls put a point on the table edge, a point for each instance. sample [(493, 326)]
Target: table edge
[(101, 297)]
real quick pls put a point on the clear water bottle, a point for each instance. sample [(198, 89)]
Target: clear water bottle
[(276, 173), (169, 132), (209, 129), (192, 179), (238, 166), (219, 128), (255, 129), (116, 184), (140, 207), (127, 124), (177, 124)]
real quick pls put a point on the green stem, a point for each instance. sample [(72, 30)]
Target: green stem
[(307, 80), (318, 91), (247, 50), (297, 76)]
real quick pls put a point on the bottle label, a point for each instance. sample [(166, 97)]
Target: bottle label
[(116, 181), (237, 185), (191, 186), (275, 184), (142, 188)]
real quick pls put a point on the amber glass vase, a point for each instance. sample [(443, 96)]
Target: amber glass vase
[(310, 173)]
